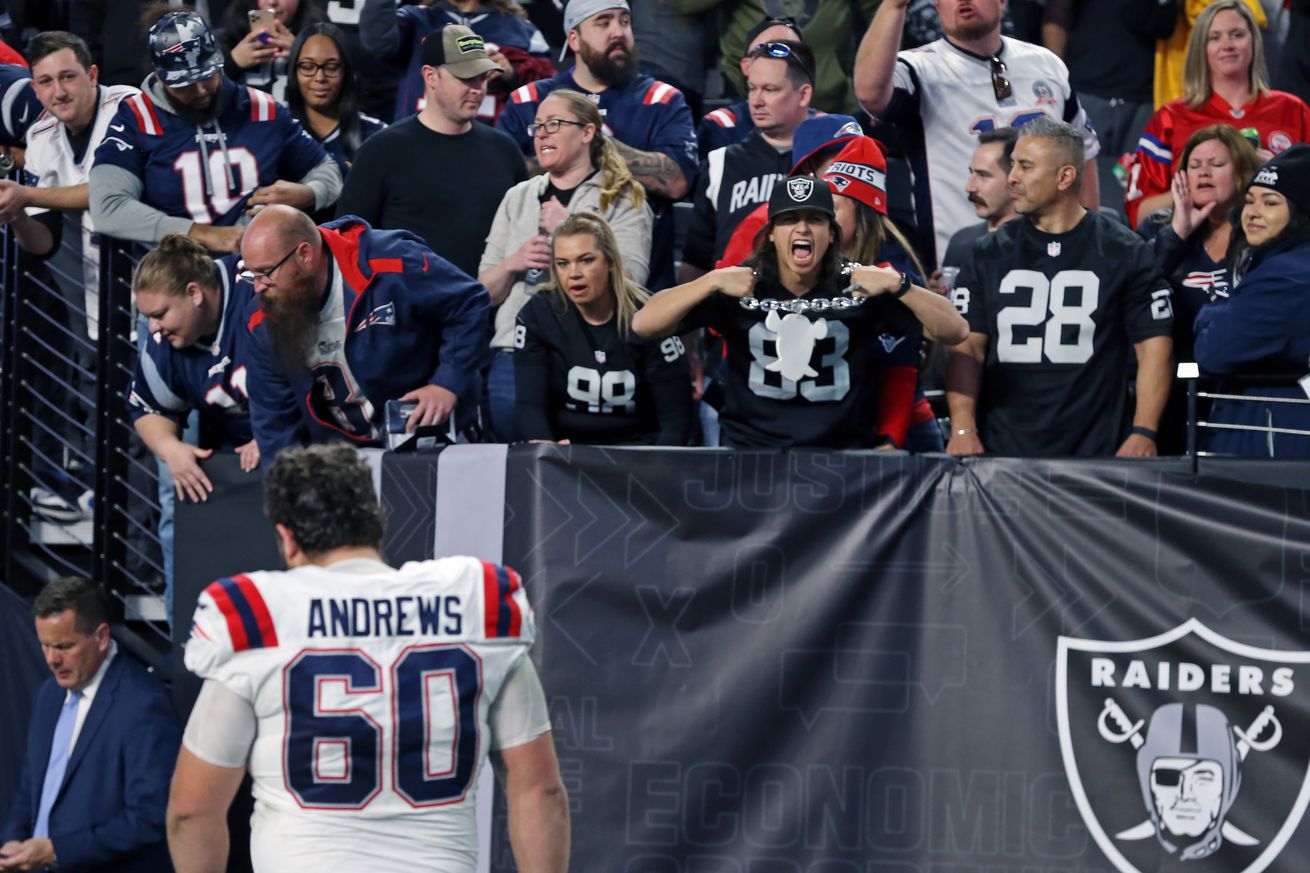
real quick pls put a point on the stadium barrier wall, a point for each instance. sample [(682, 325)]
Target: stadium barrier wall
[(830, 662)]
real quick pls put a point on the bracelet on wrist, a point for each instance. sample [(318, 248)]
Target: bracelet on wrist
[(904, 287), (965, 431), (1149, 433)]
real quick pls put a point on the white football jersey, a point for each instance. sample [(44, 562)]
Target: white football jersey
[(48, 163), (371, 688), (944, 99)]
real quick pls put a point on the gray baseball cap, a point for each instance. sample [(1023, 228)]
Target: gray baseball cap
[(579, 11)]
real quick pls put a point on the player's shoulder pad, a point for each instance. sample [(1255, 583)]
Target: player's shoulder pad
[(498, 608), (659, 92), (723, 117), (231, 617)]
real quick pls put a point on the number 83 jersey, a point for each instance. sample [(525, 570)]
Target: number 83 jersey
[(1061, 312), (375, 693)]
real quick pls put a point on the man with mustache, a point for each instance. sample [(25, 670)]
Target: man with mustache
[(941, 96), (649, 120), (348, 318), (988, 189)]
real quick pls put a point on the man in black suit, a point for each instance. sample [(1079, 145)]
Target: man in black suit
[(100, 749)]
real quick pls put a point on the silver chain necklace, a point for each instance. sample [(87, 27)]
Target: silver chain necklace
[(801, 304)]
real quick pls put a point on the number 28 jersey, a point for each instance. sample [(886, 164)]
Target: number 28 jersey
[(372, 689), (1061, 312)]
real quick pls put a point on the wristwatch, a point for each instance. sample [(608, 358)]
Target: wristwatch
[(903, 288)]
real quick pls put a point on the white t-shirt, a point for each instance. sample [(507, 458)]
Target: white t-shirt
[(373, 692), (49, 163), (944, 98)]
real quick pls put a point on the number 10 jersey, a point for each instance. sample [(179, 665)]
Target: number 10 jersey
[(1061, 312), (373, 691)]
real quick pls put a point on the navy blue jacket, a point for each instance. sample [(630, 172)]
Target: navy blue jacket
[(412, 319), (109, 815), (1262, 328)]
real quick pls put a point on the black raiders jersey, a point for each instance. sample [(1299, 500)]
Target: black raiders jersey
[(588, 384), (1061, 312), (803, 379)]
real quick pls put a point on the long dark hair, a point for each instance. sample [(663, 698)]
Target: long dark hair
[(764, 259), (347, 99)]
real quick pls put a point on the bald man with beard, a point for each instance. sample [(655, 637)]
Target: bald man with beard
[(346, 318)]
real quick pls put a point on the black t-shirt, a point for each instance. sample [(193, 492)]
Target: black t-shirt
[(588, 384), (1112, 46), (444, 188), (828, 397), (1061, 312)]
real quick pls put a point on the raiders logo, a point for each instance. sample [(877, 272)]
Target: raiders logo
[(1186, 751), (800, 189)]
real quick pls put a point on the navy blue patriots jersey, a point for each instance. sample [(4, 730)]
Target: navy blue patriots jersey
[(368, 125), (209, 376), (207, 172), (19, 107)]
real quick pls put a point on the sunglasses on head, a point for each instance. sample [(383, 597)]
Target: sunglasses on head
[(780, 51), (1000, 82)]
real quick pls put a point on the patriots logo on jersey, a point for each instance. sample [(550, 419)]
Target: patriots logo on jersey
[(383, 315), (889, 342)]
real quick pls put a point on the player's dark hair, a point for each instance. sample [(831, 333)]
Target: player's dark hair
[(324, 495), (88, 601), (45, 44), (1007, 137), (176, 262), (764, 259), (347, 98)]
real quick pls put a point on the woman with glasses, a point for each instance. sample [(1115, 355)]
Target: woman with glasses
[(582, 376), (258, 55), (322, 93), (802, 328), (583, 173), (1224, 82)]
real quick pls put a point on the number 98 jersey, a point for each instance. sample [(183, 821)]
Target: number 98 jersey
[(1061, 312), (372, 690)]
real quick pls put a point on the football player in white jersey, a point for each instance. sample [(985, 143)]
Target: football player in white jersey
[(942, 95), (61, 145), (363, 700)]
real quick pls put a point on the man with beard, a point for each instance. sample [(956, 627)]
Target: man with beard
[(438, 174), (346, 318), (650, 121), (196, 153), (941, 96)]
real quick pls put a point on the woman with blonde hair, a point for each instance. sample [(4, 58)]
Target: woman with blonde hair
[(1224, 82), (584, 173), (582, 375)]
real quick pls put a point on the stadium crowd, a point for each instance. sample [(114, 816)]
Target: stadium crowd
[(480, 221), (386, 188)]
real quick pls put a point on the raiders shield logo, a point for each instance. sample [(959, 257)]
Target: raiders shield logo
[(800, 189), (1186, 751)]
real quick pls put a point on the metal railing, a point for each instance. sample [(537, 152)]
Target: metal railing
[(79, 493)]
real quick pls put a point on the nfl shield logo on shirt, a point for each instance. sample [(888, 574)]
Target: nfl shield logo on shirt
[(1053, 249)]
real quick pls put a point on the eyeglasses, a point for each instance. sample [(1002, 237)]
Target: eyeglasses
[(253, 276), (780, 51), (1000, 82), (309, 69), (551, 126)]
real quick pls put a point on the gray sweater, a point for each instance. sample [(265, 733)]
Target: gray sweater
[(517, 220)]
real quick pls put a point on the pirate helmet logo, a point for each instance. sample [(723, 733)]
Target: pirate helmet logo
[(800, 189), (1203, 718)]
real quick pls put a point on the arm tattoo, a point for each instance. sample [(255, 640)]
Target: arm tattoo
[(655, 170)]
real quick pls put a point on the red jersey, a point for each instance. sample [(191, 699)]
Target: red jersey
[(1281, 119)]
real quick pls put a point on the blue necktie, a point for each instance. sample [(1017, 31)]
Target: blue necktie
[(54, 770)]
